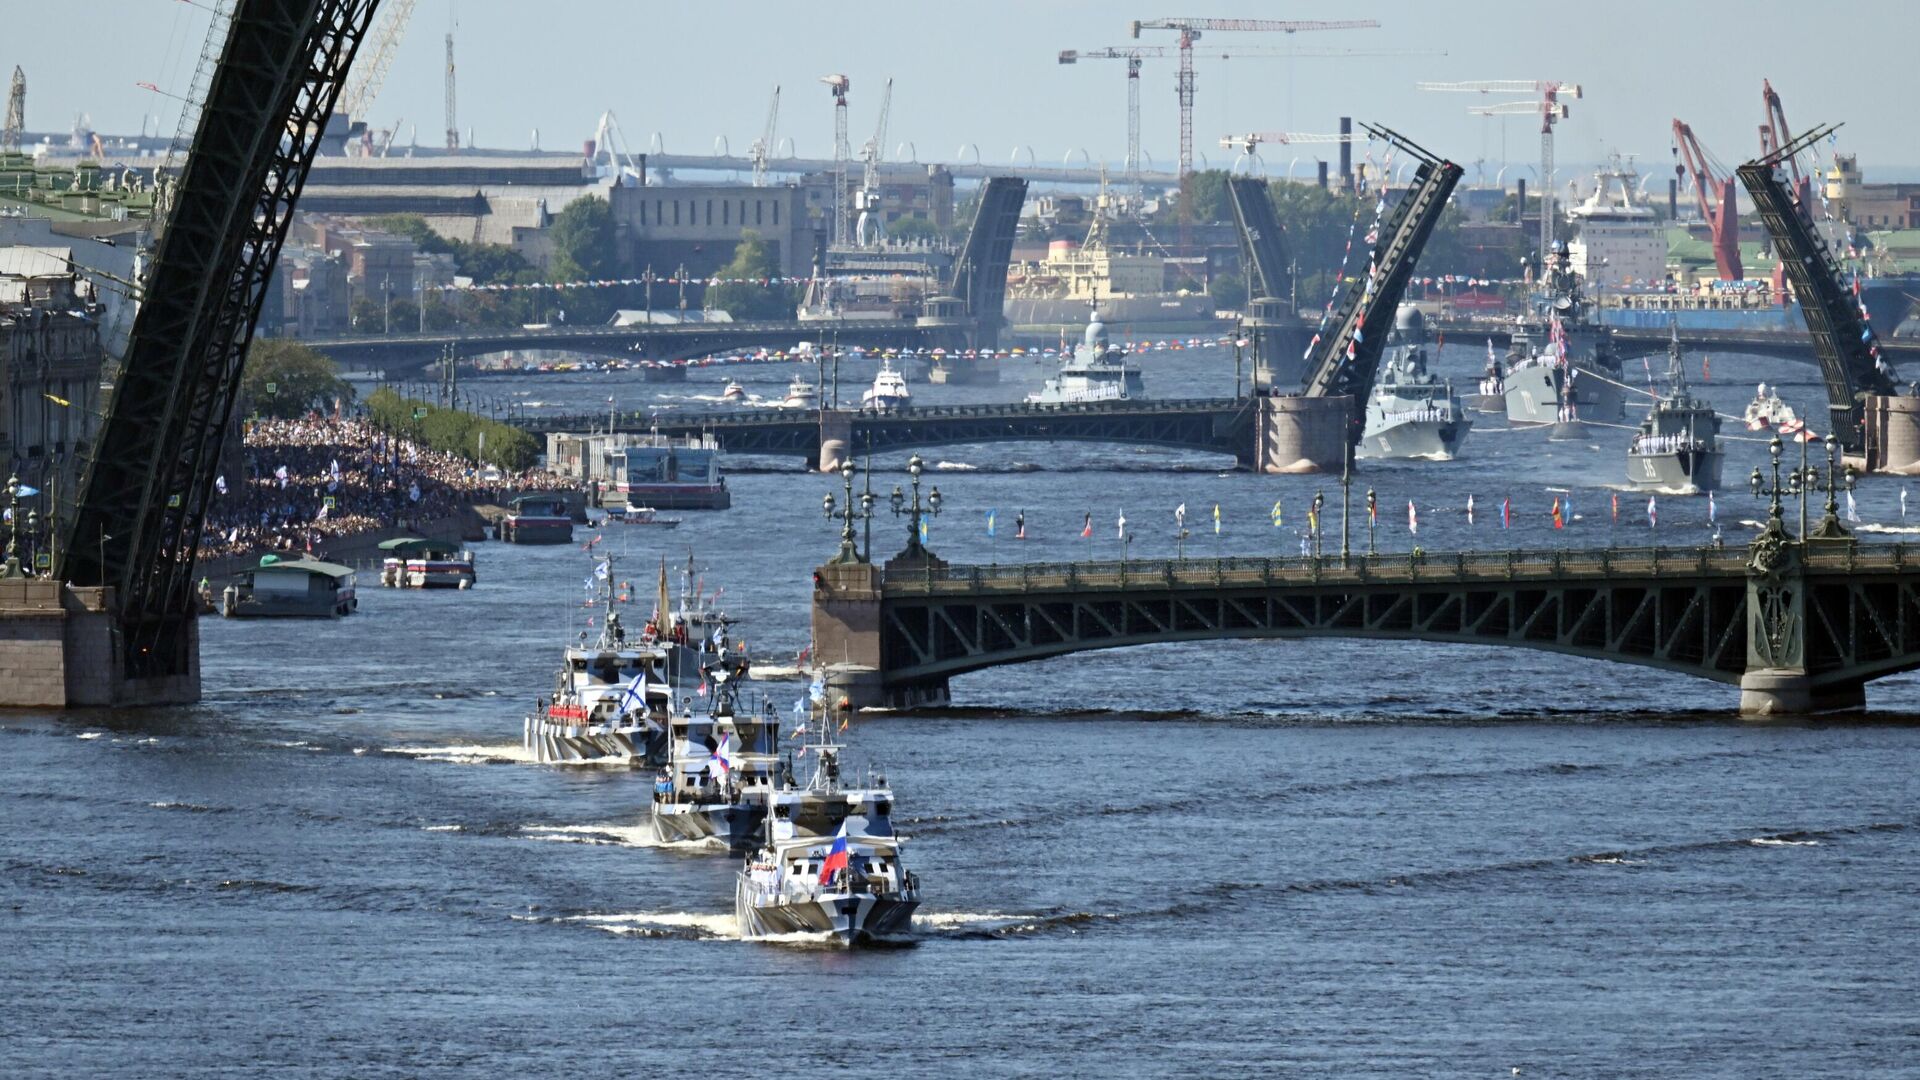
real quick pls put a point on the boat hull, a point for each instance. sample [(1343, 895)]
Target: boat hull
[(1685, 472), (536, 530), (555, 743), (679, 496), (1131, 311), (1533, 396), (847, 918), (737, 825), (1426, 440)]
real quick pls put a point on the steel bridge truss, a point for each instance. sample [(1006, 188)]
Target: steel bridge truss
[(1693, 624), (1262, 242), (139, 517), (980, 274), (1843, 341), (1349, 359)]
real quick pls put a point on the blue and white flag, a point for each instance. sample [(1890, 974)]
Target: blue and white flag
[(636, 695), (600, 571), (799, 709), (27, 491), (818, 691)]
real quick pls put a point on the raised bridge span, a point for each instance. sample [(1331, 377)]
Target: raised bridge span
[(1797, 627)]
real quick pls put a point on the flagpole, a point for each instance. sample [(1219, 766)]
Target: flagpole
[(1346, 495)]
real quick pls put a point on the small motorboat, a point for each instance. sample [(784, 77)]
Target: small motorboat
[(889, 390), (802, 394), (734, 391), (641, 515)]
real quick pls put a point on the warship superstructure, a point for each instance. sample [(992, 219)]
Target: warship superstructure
[(1676, 449), (1562, 369), (1411, 413), (1094, 371)]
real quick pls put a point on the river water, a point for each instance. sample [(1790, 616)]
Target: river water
[(1344, 858)]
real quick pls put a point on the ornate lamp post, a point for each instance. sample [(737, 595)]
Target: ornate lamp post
[(12, 569), (916, 511), (1319, 502), (849, 551), (1838, 478), (1371, 514)]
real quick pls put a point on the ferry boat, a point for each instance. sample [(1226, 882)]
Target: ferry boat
[(1676, 449), (290, 588), (415, 563), (1411, 413), (1093, 372), (611, 695), (801, 394), (672, 474), (889, 390), (829, 862), (1574, 375), (538, 518), (734, 392)]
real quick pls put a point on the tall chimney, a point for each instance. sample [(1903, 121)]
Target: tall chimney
[(1673, 200), (1323, 176), (1520, 201), (1346, 152), (643, 170)]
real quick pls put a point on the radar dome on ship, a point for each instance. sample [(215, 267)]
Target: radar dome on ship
[(1096, 332), (1410, 325)]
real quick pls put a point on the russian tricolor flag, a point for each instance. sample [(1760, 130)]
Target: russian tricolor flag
[(836, 860)]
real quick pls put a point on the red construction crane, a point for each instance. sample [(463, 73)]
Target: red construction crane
[(1716, 201), (1189, 30)]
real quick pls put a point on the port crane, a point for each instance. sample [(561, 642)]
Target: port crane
[(1717, 207), (453, 125), (870, 155), (1552, 108), (1774, 134), (1190, 31), (838, 85), (761, 151), (370, 74)]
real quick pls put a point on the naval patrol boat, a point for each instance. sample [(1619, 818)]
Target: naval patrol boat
[(1411, 413), (720, 763), (1676, 449), (829, 862), (1093, 372), (1573, 376), (610, 697)]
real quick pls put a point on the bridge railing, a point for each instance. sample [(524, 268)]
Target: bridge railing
[(751, 417), (1406, 567)]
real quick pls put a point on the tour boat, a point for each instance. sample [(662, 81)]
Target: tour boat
[(889, 390), (290, 588), (672, 474), (539, 518), (641, 515), (415, 563)]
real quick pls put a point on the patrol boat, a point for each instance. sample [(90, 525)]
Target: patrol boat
[(1411, 413), (1766, 410), (719, 767), (1094, 372), (1676, 449), (610, 697), (889, 391), (847, 883), (1574, 377)]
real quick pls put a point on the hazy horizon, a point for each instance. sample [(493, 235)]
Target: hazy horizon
[(691, 77)]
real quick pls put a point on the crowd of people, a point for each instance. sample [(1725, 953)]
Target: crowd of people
[(306, 484)]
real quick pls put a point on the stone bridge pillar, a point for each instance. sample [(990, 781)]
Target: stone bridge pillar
[(1892, 434), (1777, 682), (836, 439), (1299, 434), (848, 641)]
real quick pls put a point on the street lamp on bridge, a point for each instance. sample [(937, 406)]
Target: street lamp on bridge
[(849, 551), (916, 512)]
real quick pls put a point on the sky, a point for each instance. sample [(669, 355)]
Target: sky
[(982, 77)]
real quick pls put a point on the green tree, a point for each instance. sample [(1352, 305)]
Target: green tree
[(1203, 197), (915, 228), (583, 247), (301, 379), (1229, 292), (369, 317), (741, 294)]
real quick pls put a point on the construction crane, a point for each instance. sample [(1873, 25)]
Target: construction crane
[(838, 85), (16, 113), (1137, 54), (1249, 144), (371, 72), (453, 125), (1190, 30), (1552, 109), (761, 151), (1716, 200), (870, 155)]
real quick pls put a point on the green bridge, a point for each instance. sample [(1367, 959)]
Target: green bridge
[(1799, 625)]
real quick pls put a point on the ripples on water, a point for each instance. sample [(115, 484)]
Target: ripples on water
[(1334, 857)]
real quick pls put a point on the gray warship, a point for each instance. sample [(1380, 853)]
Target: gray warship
[(1562, 370), (1411, 412), (1094, 372), (1677, 448)]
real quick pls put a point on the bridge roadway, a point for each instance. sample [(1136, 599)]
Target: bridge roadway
[(1212, 425), (654, 341), (1634, 341), (1799, 628)]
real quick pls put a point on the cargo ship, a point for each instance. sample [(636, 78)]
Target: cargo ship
[(1130, 287)]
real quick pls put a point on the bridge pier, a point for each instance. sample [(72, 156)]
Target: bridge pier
[(60, 648), (1892, 435), (1769, 692), (847, 642), (1299, 434), (836, 439)]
